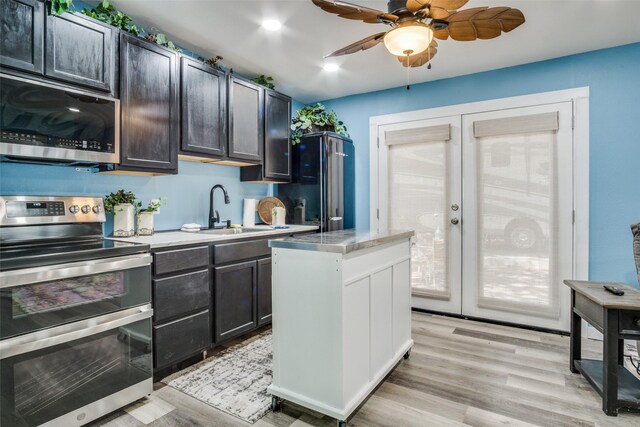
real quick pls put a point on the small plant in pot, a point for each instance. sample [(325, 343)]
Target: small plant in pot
[(145, 215), (121, 205), (315, 118)]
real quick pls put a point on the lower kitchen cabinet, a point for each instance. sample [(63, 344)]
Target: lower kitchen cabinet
[(180, 339), (235, 299), (264, 291)]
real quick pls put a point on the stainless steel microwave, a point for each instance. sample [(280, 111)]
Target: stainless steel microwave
[(47, 123)]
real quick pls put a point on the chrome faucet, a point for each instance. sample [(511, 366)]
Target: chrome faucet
[(214, 215)]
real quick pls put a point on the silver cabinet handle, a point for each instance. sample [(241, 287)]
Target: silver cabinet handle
[(455, 221), (455, 207), (335, 218)]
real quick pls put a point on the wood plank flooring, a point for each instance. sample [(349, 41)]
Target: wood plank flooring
[(461, 373)]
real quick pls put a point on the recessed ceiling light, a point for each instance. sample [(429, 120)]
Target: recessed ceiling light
[(271, 24), (331, 66)]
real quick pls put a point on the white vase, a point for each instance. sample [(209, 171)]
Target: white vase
[(123, 220), (145, 223)]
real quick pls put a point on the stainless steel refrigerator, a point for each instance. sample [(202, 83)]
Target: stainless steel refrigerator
[(322, 190)]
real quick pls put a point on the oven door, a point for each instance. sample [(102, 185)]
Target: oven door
[(75, 373), (34, 299)]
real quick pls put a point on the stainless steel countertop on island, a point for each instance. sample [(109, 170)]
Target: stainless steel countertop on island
[(341, 241)]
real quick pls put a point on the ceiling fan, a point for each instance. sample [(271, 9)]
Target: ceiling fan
[(417, 23)]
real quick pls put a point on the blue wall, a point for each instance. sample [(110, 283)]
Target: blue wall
[(187, 192), (613, 76)]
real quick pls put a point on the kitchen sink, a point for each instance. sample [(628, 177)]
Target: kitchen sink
[(232, 231)]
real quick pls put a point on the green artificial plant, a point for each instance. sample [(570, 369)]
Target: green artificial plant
[(120, 197), (312, 118), (266, 81), (108, 14), (58, 7), (153, 206)]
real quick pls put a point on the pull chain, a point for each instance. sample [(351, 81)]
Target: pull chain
[(408, 53), (429, 53)]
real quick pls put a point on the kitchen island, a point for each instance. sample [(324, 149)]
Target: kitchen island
[(341, 316)]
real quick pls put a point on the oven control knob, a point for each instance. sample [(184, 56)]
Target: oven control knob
[(86, 209), (74, 209), (97, 209)]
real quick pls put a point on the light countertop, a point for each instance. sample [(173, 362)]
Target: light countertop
[(342, 241), (162, 239)]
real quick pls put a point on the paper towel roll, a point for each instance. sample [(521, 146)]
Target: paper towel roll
[(249, 213)]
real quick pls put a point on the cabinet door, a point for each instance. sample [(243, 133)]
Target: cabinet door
[(81, 51), (264, 291), (149, 106), (277, 147), (235, 300), (180, 339), (246, 120), (204, 109), (22, 34)]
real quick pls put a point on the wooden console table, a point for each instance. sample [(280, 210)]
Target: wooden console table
[(617, 318)]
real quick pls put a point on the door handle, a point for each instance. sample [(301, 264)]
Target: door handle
[(455, 221), (335, 218)]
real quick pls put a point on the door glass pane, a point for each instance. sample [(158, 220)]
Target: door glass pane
[(418, 199), (517, 223)]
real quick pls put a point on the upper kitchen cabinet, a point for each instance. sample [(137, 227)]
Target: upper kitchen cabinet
[(22, 35), (246, 122), (276, 165), (150, 107), (204, 110), (81, 51)]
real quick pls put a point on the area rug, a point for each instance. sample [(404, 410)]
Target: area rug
[(234, 381)]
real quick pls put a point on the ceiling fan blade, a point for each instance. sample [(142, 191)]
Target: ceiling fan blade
[(363, 44), (353, 11), (415, 5), (420, 59), (480, 23)]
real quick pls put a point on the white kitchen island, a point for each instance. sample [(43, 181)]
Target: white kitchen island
[(341, 316)]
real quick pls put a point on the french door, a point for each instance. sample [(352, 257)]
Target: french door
[(490, 198), (420, 189)]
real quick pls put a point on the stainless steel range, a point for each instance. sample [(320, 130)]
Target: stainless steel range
[(75, 313)]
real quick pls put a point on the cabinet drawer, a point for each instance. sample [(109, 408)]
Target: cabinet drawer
[(180, 259), (180, 339), (230, 252), (179, 295), (630, 322)]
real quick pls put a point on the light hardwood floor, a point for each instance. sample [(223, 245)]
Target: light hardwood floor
[(461, 372)]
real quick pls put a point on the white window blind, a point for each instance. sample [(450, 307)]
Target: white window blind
[(418, 135), (544, 122)]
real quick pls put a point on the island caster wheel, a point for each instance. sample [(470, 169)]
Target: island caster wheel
[(276, 404), (342, 424), (407, 354)]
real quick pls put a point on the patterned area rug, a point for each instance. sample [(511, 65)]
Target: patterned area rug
[(234, 381)]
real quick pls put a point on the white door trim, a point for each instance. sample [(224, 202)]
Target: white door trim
[(580, 99)]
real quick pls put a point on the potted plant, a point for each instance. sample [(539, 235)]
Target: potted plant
[(315, 118), (145, 215), (121, 205)]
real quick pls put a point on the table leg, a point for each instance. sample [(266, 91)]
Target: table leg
[(576, 335), (610, 363), (621, 352)]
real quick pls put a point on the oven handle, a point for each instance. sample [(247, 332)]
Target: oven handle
[(72, 331), (63, 271)]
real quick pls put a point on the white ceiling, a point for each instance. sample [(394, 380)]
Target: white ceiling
[(294, 55)]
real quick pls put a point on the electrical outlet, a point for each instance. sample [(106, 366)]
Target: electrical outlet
[(156, 201)]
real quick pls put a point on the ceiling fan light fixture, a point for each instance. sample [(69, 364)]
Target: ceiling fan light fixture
[(410, 38), (271, 24)]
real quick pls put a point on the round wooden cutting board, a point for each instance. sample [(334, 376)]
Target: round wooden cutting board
[(264, 208)]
